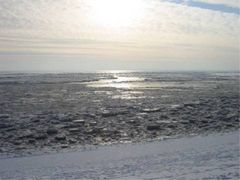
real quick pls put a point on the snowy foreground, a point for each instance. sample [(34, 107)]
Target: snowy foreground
[(204, 157)]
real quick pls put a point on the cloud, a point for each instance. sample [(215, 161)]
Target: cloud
[(230, 3), (167, 31)]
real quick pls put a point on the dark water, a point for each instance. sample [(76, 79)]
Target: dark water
[(56, 111)]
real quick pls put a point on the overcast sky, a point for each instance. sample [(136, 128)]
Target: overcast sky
[(90, 35)]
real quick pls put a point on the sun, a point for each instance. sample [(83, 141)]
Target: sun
[(117, 13)]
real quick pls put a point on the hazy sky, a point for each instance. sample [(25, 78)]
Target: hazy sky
[(89, 35)]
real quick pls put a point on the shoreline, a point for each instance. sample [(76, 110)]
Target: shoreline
[(187, 157), (90, 147)]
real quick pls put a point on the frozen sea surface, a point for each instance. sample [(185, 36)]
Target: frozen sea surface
[(202, 157), (63, 111)]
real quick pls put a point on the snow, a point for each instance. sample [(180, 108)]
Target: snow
[(202, 157)]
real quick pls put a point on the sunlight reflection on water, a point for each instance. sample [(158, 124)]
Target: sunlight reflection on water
[(118, 82), (130, 83)]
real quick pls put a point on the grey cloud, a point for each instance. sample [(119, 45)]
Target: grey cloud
[(230, 3)]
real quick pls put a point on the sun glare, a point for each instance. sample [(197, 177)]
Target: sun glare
[(117, 13)]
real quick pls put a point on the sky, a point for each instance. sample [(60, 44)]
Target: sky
[(92, 35)]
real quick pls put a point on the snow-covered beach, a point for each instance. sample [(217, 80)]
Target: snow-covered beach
[(214, 156)]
